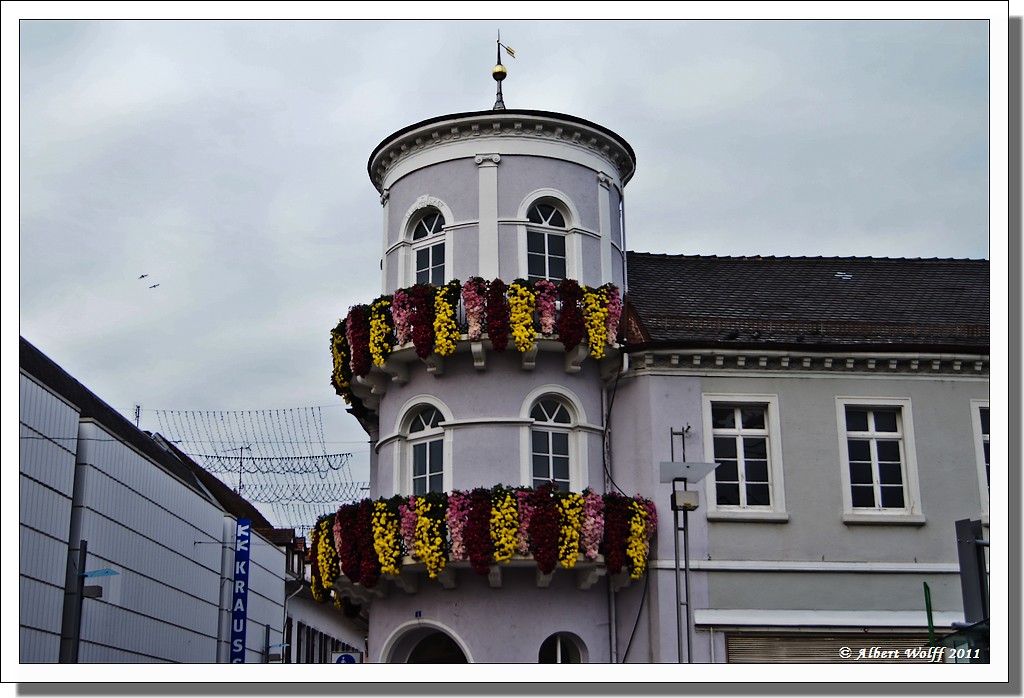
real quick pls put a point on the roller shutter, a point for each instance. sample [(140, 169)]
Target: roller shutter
[(822, 648)]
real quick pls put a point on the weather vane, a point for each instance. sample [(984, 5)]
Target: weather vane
[(499, 73)]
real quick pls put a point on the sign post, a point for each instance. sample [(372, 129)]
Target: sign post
[(240, 593)]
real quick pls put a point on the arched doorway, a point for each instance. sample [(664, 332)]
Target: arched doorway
[(425, 642), (437, 648)]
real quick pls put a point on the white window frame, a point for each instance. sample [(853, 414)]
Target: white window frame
[(408, 247), (577, 430), (911, 512), (428, 243), (980, 439), (774, 513), (570, 232), (403, 465)]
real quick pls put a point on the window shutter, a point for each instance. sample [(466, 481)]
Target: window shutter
[(808, 648)]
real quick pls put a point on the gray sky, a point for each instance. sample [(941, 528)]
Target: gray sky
[(227, 160)]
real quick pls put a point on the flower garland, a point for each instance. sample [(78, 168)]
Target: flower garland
[(324, 559), (369, 563), (407, 525), (570, 512), (482, 527), (341, 375), (422, 297), (474, 299), (595, 318), (386, 531), (616, 531), (497, 315), (313, 558), (357, 330), (382, 331), (570, 321), (547, 295), (456, 517), (521, 304), (349, 557), (592, 530), (446, 332), (427, 316), (525, 515), (401, 315), (477, 533), (429, 542), (504, 524), (637, 545), (614, 311), (544, 528)]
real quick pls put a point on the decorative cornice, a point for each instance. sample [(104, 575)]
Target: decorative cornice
[(532, 125), (860, 362)]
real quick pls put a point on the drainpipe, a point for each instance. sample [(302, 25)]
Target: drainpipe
[(613, 638), (284, 624)]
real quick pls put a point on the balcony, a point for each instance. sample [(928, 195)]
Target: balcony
[(368, 548), (380, 343)]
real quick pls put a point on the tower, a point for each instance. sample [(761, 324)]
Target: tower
[(523, 209)]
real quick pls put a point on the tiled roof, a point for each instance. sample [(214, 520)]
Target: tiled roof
[(789, 301)]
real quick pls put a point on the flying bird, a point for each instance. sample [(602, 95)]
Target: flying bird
[(144, 276), (154, 285)]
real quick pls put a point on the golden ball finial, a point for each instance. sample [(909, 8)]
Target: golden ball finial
[(499, 73)]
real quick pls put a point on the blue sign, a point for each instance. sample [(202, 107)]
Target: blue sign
[(240, 594)]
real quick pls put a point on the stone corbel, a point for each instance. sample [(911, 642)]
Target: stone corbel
[(620, 581), (398, 370), (587, 577), (479, 355), (574, 358), (406, 581), (544, 580), (384, 196), (447, 578), (378, 383), (529, 361), (435, 364), (494, 577)]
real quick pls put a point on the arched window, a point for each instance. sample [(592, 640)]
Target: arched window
[(428, 247), (550, 443), (546, 243), (560, 648), (426, 451)]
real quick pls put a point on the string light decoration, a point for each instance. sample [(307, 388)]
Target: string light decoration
[(275, 457)]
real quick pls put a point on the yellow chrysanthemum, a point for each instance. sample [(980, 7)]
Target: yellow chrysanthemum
[(326, 555), (570, 513), (340, 354), (385, 538), (504, 527), (595, 319), (521, 304), (428, 545), (446, 332), (380, 345), (637, 543)]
